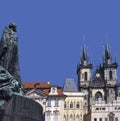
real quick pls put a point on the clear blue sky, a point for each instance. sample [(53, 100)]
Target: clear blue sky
[(51, 34)]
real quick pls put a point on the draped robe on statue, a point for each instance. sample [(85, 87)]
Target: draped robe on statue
[(9, 53)]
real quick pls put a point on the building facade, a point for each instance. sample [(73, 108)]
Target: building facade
[(50, 97), (103, 84), (55, 105), (74, 102), (102, 111)]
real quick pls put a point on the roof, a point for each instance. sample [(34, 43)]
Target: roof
[(31, 85), (70, 86), (59, 92), (46, 87)]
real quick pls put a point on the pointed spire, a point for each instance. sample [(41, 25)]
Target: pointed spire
[(84, 57), (84, 53), (107, 55)]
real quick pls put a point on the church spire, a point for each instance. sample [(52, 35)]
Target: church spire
[(84, 57), (107, 55)]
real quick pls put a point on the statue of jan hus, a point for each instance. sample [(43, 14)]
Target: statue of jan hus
[(10, 82), (9, 51)]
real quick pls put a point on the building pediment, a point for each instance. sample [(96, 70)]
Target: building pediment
[(36, 93)]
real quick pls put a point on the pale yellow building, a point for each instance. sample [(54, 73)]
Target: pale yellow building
[(74, 102)]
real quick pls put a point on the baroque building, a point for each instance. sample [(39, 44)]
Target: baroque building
[(49, 96), (103, 84)]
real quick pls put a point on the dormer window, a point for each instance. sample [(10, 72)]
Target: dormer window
[(53, 90)]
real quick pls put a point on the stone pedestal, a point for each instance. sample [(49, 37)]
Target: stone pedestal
[(20, 108)]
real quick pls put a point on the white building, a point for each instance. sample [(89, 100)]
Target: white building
[(55, 105), (102, 111), (51, 98)]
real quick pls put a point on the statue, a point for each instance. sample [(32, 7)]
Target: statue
[(9, 51), (10, 81), (14, 104)]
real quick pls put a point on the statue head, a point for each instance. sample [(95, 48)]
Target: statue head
[(13, 26)]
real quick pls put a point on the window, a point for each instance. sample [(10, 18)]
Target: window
[(49, 103), (55, 117), (77, 105), (64, 119), (106, 119), (116, 118), (71, 105), (85, 76), (100, 119), (56, 102), (110, 75), (48, 117), (71, 118), (77, 118), (65, 105), (95, 119), (98, 95)]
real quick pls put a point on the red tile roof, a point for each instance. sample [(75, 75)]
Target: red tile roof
[(44, 86), (31, 85)]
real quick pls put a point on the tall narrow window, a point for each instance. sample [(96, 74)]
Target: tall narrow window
[(116, 118), (71, 105), (77, 105), (106, 119), (100, 119), (85, 76), (49, 103), (48, 117), (71, 118), (77, 118), (56, 117), (65, 105), (95, 119), (56, 102), (110, 75), (65, 119)]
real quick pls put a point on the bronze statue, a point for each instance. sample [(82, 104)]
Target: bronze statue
[(10, 81), (13, 100), (9, 51)]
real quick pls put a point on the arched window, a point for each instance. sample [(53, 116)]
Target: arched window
[(98, 95), (77, 105), (71, 105), (110, 75), (86, 76), (77, 118)]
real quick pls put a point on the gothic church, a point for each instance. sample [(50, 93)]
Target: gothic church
[(103, 84)]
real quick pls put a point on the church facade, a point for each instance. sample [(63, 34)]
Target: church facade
[(103, 84)]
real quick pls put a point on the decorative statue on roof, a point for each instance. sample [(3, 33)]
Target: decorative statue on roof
[(9, 51)]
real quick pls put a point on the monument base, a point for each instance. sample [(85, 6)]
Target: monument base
[(20, 108)]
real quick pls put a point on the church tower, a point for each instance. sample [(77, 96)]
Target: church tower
[(110, 75), (84, 71)]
